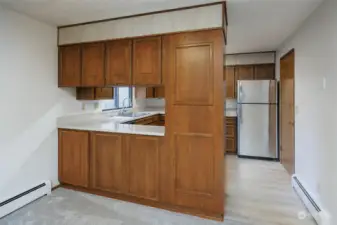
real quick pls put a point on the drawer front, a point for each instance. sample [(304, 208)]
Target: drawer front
[(230, 120), (230, 131)]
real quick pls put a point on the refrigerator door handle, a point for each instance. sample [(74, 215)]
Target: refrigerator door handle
[(240, 92), (239, 112)]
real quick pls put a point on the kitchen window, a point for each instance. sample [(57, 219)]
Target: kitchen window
[(121, 95)]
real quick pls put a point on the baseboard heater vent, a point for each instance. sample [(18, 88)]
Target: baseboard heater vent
[(320, 216), (10, 205)]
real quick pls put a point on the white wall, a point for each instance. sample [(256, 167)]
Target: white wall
[(30, 103), (315, 44), (246, 59), (183, 20)]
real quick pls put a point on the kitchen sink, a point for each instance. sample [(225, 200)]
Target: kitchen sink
[(133, 115)]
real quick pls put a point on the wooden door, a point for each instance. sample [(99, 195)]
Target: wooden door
[(195, 161), (287, 117), (73, 158), (108, 163), (93, 65), (143, 166), (70, 66), (147, 61), (104, 93), (230, 82), (118, 62), (244, 72), (264, 72)]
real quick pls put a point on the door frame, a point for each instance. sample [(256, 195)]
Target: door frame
[(292, 51)]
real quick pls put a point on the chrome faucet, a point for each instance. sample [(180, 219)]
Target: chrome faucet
[(123, 105)]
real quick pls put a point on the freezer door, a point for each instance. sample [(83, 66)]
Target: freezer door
[(257, 134), (257, 91)]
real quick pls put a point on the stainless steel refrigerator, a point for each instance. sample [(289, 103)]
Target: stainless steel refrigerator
[(257, 111)]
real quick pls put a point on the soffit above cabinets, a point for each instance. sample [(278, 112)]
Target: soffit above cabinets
[(206, 17)]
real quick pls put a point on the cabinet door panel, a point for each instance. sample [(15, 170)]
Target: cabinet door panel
[(108, 162), (244, 72), (150, 92), (230, 82), (118, 62), (193, 82), (85, 93), (74, 157), (147, 61), (104, 93), (143, 169), (230, 130), (159, 92), (264, 72), (93, 65), (230, 145), (70, 66)]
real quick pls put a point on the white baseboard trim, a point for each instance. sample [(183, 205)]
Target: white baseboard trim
[(21, 199), (316, 210)]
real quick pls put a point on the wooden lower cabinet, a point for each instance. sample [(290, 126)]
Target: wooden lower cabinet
[(138, 168), (143, 166), (231, 136), (107, 162), (73, 158)]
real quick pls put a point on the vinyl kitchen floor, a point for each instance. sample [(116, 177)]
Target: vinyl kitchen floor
[(258, 193)]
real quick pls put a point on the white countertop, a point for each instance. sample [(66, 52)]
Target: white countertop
[(230, 113), (107, 122)]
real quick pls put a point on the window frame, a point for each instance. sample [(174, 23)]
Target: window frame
[(116, 98)]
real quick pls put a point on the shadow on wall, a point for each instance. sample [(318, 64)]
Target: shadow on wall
[(39, 166), (36, 144)]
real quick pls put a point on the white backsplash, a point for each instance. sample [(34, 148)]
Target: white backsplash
[(230, 103)]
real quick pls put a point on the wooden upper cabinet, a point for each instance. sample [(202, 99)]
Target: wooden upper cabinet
[(74, 157), (104, 93), (89, 93), (93, 65), (85, 93), (155, 92), (107, 162), (70, 66), (147, 61), (160, 92), (230, 82), (264, 72), (244, 72), (150, 92), (118, 62)]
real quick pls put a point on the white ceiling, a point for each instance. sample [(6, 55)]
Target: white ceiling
[(254, 25), (263, 25)]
